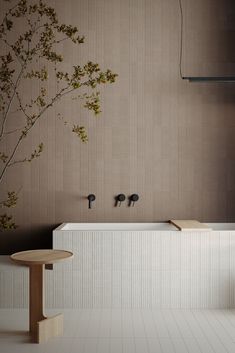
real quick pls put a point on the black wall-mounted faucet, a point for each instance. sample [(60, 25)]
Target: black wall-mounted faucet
[(132, 199), (91, 198), (119, 199)]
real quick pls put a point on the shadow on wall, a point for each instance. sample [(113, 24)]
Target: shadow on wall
[(208, 37), (24, 239), (229, 30)]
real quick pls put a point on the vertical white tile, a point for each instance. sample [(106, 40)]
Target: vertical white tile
[(149, 324), (90, 345), (171, 325), (154, 345), (127, 323), (116, 323), (94, 323), (179, 345), (141, 345), (166, 345), (115, 345), (128, 345), (78, 345), (103, 345), (138, 324), (160, 325), (192, 345)]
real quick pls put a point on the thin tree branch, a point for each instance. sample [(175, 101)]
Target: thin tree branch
[(23, 67), (16, 162), (9, 163), (10, 102), (10, 46), (21, 105), (8, 13), (12, 131), (10, 158)]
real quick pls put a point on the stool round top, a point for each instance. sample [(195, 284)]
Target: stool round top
[(41, 257)]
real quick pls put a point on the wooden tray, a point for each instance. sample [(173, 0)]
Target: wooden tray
[(189, 225)]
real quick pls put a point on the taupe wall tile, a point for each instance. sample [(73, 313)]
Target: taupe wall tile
[(166, 139)]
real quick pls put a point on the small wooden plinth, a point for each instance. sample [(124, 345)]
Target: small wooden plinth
[(41, 327), (48, 328)]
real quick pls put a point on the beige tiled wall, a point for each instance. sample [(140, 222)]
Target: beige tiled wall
[(170, 141)]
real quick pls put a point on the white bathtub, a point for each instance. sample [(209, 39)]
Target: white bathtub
[(151, 265), (164, 226), (116, 226)]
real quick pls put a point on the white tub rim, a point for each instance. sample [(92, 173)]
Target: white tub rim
[(134, 226)]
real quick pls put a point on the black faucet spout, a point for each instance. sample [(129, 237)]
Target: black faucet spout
[(90, 198)]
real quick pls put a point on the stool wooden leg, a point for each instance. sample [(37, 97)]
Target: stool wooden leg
[(36, 296), (41, 328)]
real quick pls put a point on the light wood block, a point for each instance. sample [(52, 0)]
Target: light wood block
[(49, 327), (190, 225)]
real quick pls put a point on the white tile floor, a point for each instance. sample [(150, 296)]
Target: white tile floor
[(125, 331)]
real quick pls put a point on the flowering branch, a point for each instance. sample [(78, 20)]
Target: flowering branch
[(42, 32)]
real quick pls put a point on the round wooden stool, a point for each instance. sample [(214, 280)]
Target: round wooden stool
[(41, 327)]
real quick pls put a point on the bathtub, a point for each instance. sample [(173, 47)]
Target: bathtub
[(145, 265), (116, 226)]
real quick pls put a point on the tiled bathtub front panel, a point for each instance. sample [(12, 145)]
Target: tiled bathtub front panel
[(143, 269)]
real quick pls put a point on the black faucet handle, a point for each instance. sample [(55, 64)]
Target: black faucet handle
[(90, 198), (120, 198), (133, 199)]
